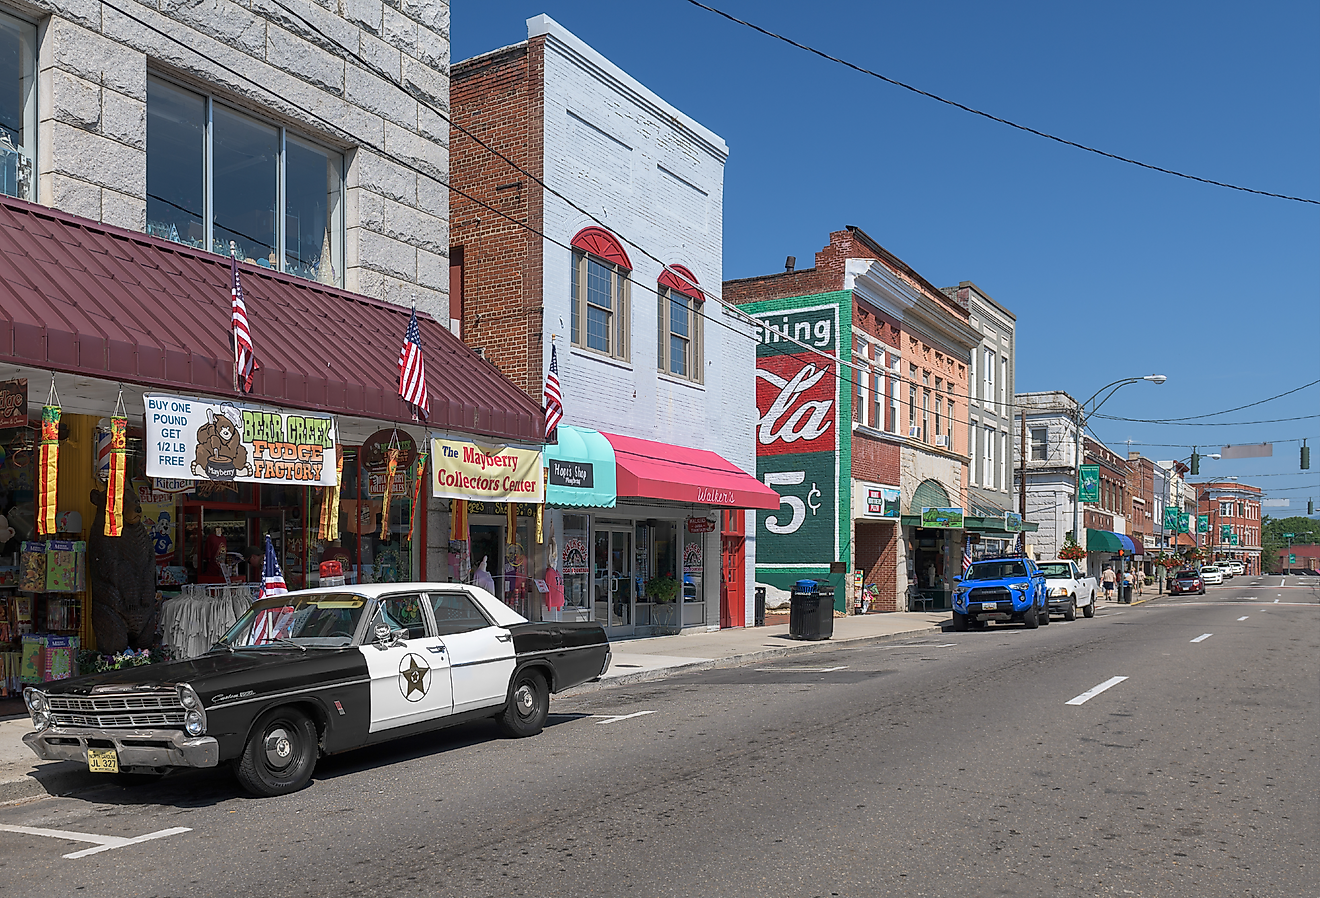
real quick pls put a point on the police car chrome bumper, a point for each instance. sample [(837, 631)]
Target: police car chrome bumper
[(135, 748)]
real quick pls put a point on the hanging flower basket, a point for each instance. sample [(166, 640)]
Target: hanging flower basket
[(1072, 552)]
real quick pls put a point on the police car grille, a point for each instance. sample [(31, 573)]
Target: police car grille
[(143, 710)]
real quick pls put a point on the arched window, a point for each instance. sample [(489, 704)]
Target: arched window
[(600, 293), (678, 331)]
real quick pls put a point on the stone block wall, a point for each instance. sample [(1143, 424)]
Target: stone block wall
[(356, 75)]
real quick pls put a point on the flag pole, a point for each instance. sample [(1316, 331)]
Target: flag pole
[(233, 337)]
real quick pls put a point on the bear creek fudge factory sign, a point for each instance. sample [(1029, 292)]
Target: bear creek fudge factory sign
[(235, 441)]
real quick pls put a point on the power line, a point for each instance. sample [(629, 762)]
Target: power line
[(993, 118), (1205, 423)]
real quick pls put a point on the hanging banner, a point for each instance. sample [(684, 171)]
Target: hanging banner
[(1171, 517), (374, 455), (48, 464), (14, 403), (1203, 523), (114, 484), (1089, 489), (237, 441), (464, 470)]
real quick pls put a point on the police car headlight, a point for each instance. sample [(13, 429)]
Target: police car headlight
[(194, 718), (35, 700)]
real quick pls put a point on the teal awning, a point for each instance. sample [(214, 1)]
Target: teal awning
[(1108, 541), (580, 470)]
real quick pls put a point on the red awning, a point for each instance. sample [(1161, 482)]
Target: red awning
[(651, 470), (85, 298)]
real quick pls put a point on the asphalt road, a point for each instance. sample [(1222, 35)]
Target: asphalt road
[(945, 766)]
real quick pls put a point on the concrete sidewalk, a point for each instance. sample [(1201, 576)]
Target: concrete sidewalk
[(634, 660)]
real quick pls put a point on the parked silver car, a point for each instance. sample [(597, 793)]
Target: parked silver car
[(1211, 575)]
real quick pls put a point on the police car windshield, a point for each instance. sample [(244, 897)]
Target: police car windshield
[(308, 621), (996, 570)]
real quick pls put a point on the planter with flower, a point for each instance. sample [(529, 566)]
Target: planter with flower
[(1072, 552)]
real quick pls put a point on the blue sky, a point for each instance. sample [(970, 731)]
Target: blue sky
[(1111, 270)]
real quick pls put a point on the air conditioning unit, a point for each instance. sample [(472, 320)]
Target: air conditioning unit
[(914, 431), (942, 441)]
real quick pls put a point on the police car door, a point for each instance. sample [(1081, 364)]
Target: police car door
[(409, 674), (481, 656)]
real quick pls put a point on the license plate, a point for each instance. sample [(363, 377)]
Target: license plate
[(989, 606), (102, 760)]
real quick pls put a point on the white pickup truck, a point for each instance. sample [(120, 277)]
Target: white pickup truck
[(1068, 589)]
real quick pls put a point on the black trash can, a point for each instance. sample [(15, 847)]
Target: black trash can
[(759, 620), (1125, 593), (811, 613)]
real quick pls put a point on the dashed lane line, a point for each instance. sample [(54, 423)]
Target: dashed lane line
[(1203, 637), (103, 843), (1243, 617), (1093, 692)]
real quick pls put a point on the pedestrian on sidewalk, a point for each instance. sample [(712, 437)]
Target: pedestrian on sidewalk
[(1107, 579)]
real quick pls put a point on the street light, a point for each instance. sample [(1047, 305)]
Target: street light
[(1082, 415)]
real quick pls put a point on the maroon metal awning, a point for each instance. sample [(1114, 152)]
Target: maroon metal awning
[(86, 298)]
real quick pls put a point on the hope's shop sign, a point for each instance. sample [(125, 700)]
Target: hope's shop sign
[(232, 441), (465, 470), (800, 447)]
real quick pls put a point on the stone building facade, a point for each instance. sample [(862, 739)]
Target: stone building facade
[(175, 119), (1051, 425)]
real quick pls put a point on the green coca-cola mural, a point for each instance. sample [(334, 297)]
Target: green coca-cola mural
[(803, 437)]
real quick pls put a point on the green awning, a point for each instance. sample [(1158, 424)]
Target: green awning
[(581, 470), (1105, 541)]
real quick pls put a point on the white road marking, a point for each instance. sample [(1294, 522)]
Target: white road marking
[(1243, 617), (615, 718), (947, 645), (103, 843), (1276, 601), (1092, 693), (1203, 637), (1282, 582), (802, 669)]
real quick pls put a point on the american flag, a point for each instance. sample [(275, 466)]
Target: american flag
[(412, 369), (244, 360), (272, 578), (967, 558), (554, 403)]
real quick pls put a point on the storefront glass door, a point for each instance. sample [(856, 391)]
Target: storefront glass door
[(613, 579)]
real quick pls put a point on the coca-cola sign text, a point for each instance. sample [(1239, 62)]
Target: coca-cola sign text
[(796, 402)]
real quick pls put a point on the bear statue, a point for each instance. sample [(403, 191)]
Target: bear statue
[(121, 572)]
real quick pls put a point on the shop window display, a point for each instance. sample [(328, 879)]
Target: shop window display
[(18, 107), (253, 166)]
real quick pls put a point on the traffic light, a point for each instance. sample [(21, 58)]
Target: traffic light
[(1196, 463), (1306, 456), (1310, 506)]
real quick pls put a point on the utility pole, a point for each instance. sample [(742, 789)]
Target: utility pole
[(1022, 484)]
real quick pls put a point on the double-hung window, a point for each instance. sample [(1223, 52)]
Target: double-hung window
[(600, 305), (1039, 443), (218, 178), (679, 348), (678, 324), (990, 376), (18, 107)]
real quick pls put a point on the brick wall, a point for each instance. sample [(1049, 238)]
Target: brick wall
[(499, 98), (878, 558), (365, 66)]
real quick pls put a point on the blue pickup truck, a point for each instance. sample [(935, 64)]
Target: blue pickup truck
[(1001, 589)]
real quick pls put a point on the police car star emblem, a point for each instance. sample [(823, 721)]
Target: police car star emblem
[(414, 677)]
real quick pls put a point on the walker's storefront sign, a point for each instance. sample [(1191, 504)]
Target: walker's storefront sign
[(802, 451), (465, 470), (193, 439)]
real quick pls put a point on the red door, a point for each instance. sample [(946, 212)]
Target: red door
[(733, 595)]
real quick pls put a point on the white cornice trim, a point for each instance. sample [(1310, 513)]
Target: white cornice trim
[(581, 54), (875, 283)]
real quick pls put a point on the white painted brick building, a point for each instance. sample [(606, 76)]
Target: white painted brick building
[(631, 210)]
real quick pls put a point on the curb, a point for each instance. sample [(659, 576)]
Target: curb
[(660, 673)]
